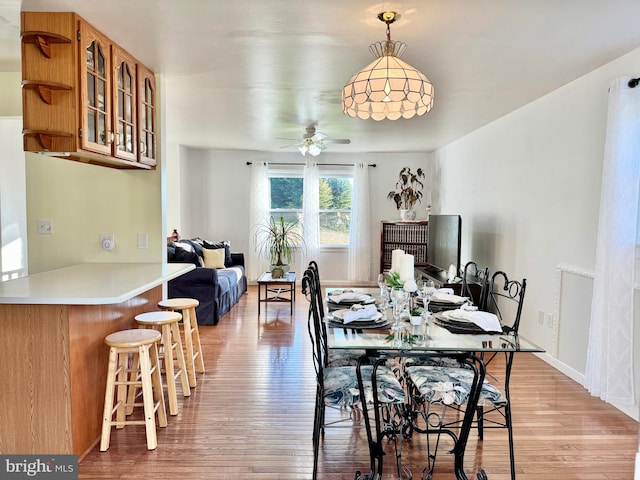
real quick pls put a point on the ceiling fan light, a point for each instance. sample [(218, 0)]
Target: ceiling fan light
[(315, 150)]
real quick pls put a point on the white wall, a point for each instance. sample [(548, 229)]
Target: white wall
[(528, 189), (215, 197), (84, 201)]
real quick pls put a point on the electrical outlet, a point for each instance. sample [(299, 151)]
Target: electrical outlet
[(540, 317), (107, 241), (45, 227), (549, 317)]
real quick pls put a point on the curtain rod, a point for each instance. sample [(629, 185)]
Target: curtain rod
[(320, 164), (634, 82)]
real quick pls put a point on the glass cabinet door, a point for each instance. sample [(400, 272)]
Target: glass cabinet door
[(96, 130), (124, 110), (146, 115)]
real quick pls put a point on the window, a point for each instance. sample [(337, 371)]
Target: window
[(335, 210), (335, 203), (286, 198)]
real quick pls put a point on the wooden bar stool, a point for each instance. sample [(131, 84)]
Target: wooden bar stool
[(167, 323), (143, 344), (193, 357)]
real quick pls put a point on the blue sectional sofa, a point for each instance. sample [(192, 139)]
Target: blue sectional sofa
[(217, 289)]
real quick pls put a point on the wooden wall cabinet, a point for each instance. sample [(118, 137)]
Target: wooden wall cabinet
[(408, 236), (146, 115), (125, 106), (82, 98)]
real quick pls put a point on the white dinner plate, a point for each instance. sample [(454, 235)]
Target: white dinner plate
[(339, 314), (359, 298)]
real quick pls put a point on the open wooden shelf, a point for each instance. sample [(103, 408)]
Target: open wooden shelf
[(45, 89), (44, 40), (46, 137)]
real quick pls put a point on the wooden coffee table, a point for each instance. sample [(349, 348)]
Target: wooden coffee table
[(277, 290)]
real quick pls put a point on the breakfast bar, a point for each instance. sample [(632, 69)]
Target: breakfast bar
[(52, 350)]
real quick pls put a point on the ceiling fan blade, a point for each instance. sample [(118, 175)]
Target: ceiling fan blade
[(290, 145), (318, 137), (344, 141)]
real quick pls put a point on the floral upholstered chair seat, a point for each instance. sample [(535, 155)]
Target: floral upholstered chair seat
[(341, 386), (451, 386), (344, 357)]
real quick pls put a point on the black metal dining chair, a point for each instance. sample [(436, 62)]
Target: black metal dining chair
[(338, 387), (335, 358), (440, 393), (475, 284)]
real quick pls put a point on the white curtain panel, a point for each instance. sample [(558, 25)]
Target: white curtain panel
[(609, 368), (359, 267), (310, 209), (259, 213)]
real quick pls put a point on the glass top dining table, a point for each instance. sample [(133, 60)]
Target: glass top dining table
[(438, 342), (439, 339)]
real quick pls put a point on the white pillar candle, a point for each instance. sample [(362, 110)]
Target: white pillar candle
[(406, 267), (396, 255)]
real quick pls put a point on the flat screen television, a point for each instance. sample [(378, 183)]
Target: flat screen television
[(443, 243)]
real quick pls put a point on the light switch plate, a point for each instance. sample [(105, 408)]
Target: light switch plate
[(143, 240)]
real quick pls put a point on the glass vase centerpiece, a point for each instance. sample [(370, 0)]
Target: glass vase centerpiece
[(402, 295)]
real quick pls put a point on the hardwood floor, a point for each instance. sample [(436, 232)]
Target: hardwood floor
[(251, 417)]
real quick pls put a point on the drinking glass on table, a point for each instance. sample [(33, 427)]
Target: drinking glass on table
[(400, 298), (384, 292), (384, 296), (426, 292)]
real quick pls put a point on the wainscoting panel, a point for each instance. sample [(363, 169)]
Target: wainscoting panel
[(573, 312)]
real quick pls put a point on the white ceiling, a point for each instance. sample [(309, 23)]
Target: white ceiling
[(240, 73)]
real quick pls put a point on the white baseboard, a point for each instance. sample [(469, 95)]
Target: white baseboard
[(631, 410)]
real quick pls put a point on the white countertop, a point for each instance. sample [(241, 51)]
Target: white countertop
[(90, 283)]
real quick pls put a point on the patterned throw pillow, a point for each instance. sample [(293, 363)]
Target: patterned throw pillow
[(185, 253)]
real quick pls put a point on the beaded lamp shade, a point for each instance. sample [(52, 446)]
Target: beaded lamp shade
[(388, 87)]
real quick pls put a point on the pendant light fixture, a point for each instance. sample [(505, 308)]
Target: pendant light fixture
[(387, 87)]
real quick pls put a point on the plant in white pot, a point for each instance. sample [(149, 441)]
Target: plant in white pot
[(408, 192), (277, 242)]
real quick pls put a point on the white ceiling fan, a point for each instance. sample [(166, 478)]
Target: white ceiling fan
[(313, 142)]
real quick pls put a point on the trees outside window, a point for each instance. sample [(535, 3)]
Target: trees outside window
[(335, 210), (335, 205)]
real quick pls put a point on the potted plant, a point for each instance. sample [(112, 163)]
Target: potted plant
[(408, 192), (276, 241)]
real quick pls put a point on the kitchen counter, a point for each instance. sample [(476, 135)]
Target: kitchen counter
[(90, 283), (52, 350)]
